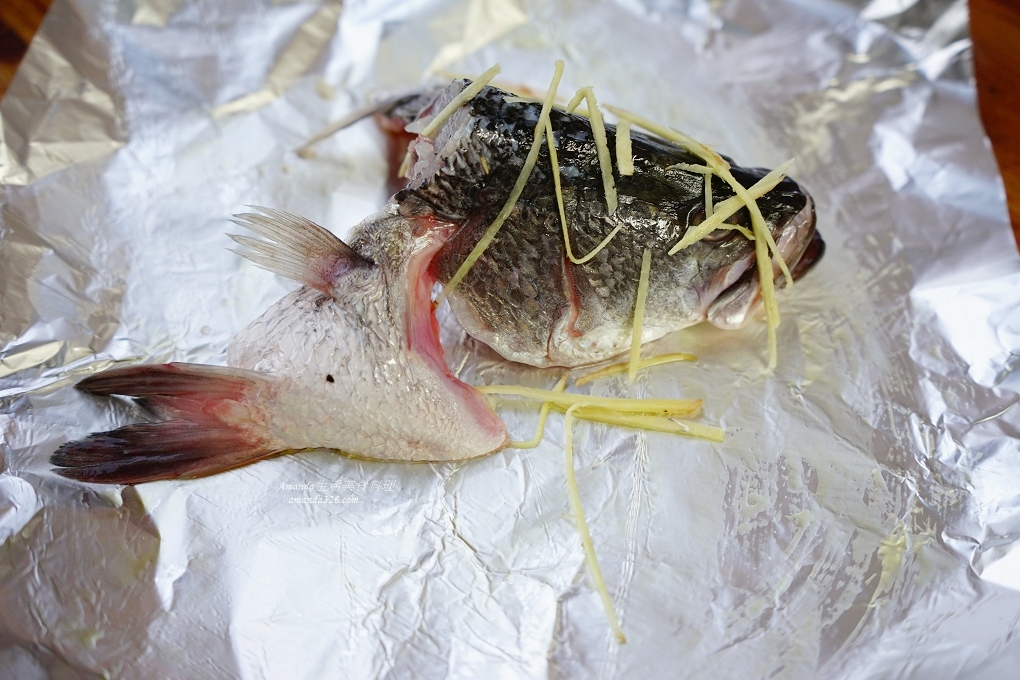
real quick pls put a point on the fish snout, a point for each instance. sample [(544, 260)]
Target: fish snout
[(790, 215)]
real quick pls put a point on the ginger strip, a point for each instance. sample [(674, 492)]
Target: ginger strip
[(622, 367), (624, 152), (555, 163), (708, 194), (598, 131), (690, 167), (522, 180), (577, 510), (543, 415), (639, 314), (651, 407), (649, 423), (464, 97), (730, 206)]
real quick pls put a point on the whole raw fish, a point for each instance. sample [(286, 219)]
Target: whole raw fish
[(352, 360)]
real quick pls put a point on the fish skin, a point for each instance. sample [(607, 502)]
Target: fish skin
[(523, 297), (350, 361)]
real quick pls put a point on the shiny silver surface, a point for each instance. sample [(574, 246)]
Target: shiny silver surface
[(859, 521)]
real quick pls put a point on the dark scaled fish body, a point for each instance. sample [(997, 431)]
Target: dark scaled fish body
[(524, 297)]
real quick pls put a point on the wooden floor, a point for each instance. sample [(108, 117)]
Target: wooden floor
[(994, 25)]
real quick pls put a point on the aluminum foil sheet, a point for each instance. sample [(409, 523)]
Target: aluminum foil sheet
[(860, 520)]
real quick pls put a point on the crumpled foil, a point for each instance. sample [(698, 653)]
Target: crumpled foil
[(860, 520)]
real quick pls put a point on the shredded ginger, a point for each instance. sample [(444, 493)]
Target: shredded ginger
[(639, 314), (691, 167), (730, 206), (660, 407), (623, 367), (624, 153), (543, 415), (577, 510), (598, 132), (554, 162), (708, 195), (663, 424), (658, 415)]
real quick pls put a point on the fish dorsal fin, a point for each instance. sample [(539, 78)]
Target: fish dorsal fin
[(296, 248)]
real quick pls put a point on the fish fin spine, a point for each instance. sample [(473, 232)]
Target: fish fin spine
[(297, 248)]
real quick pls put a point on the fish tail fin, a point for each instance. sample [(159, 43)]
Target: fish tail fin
[(296, 248), (153, 451), (209, 427)]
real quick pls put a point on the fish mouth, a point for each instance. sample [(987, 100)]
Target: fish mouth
[(801, 247)]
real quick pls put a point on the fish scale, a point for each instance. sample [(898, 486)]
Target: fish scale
[(528, 308)]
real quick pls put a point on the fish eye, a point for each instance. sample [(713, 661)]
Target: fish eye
[(740, 218), (697, 215), (720, 236)]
